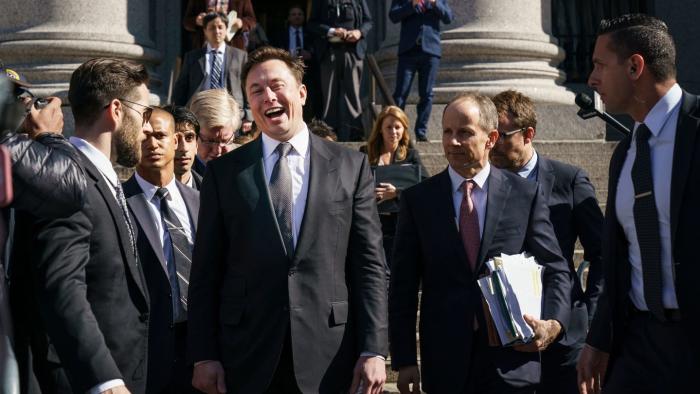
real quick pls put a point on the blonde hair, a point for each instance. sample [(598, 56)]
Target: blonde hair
[(215, 108), (375, 141)]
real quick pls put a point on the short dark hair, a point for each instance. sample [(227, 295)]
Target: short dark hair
[(263, 54), (213, 15), (98, 81), (517, 106), (322, 129), (644, 35), (182, 116)]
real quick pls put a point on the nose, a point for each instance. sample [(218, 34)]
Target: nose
[(270, 95), (592, 80)]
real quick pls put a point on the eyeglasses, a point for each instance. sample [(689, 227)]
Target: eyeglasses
[(502, 135), (230, 142), (145, 115)]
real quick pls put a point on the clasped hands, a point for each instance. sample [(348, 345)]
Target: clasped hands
[(351, 36)]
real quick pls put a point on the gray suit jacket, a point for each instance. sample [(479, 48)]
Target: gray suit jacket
[(246, 295)]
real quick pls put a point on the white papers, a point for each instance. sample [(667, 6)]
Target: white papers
[(513, 289), (232, 16)]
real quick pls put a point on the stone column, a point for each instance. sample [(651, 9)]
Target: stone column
[(47, 39), (490, 46)]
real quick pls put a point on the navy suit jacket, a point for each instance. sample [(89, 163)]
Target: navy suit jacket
[(424, 25), (608, 327), (319, 25), (429, 254)]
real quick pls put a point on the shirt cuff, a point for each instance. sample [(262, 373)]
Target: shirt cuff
[(372, 354), (110, 384)]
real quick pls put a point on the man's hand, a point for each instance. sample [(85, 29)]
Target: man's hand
[(208, 376), (238, 23), (45, 120), (546, 331), (117, 390), (340, 32), (385, 191), (199, 20), (409, 375), (591, 367), (353, 36), (371, 372)]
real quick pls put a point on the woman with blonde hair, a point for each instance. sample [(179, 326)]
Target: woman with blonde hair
[(389, 144)]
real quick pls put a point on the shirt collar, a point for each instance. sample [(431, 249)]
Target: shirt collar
[(529, 166), (97, 158), (300, 143), (221, 48), (149, 189), (293, 29), (661, 111), (480, 178)]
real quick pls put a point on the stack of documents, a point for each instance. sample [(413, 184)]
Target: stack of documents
[(512, 288)]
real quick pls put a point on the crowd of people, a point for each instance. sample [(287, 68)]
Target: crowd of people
[(248, 252)]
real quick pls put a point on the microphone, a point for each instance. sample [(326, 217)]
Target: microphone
[(588, 110)]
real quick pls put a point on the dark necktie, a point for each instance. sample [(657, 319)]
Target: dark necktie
[(297, 41), (281, 195), (215, 80), (646, 222), (179, 268), (469, 224), (121, 201)]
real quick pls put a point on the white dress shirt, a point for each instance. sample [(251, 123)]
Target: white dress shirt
[(661, 121), (292, 37), (99, 160), (298, 162), (479, 193), (176, 204), (207, 65)]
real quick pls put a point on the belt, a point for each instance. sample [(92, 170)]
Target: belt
[(672, 315)]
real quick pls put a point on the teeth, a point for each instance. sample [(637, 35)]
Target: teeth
[(274, 111)]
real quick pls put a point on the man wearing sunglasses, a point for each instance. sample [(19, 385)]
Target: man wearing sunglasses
[(90, 295), (574, 213)]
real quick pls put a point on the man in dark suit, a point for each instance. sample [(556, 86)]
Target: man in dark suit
[(287, 290), (643, 335), (215, 66), (341, 28), (196, 10), (574, 213), (186, 132), (478, 212), (419, 52), (165, 213), (90, 295)]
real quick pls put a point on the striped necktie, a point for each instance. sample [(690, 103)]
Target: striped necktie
[(215, 78)]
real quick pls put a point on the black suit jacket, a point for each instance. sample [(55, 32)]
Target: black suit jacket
[(320, 23), (192, 77), (607, 328), (91, 295), (245, 294), (165, 348), (429, 254), (574, 213)]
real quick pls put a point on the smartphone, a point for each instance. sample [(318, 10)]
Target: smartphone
[(5, 177)]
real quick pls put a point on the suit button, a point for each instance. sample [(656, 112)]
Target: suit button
[(143, 317)]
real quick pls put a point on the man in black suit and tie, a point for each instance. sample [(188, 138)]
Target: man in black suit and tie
[(574, 213), (478, 212), (90, 293), (215, 66), (165, 214), (287, 291), (643, 338), (186, 132)]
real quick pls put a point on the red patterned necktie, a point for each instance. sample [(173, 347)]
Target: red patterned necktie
[(469, 224)]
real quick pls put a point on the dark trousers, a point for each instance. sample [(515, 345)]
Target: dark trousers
[(284, 381), (341, 75), (426, 65), (656, 357), (559, 370), (482, 377)]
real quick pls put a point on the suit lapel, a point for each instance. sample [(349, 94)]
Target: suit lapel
[(191, 198), (323, 182), (203, 62), (445, 213), (498, 192), (118, 219), (684, 147), (139, 207), (545, 176)]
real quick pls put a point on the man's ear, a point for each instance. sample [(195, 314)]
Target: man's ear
[(636, 66), (113, 113), (529, 135), (302, 93), (493, 137)]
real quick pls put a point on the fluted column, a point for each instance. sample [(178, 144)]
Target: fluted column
[(490, 46), (47, 39)]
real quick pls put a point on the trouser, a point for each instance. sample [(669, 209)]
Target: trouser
[(426, 65), (341, 74)]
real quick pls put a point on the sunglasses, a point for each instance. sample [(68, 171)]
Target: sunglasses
[(145, 115)]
